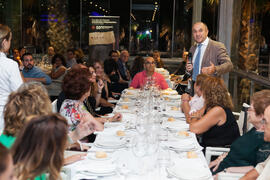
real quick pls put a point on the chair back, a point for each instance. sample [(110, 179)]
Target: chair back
[(242, 121), (54, 106)]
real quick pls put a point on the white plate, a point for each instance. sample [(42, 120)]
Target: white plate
[(110, 143), (189, 171), (92, 155), (181, 136), (174, 97)]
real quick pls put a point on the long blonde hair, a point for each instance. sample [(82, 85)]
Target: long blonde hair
[(40, 146)]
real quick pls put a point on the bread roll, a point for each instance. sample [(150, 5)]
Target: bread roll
[(101, 154), (125, 107), (183, 133), (120, 133), (192, 155)]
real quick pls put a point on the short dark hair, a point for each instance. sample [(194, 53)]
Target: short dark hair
[(112, 51), (61, 57), (26, 54), (76, 83), (71, 50)]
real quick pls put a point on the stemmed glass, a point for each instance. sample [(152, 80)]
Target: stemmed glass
[(122, 168)]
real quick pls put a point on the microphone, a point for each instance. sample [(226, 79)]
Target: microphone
[(189, 58)]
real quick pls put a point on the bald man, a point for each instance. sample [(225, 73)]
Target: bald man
[(208, 56), (122, 65), (140, 78)]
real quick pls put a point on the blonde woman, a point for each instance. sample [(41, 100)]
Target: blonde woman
[(10, 77)]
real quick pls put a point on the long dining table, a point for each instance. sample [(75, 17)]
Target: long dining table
[(152, 142)]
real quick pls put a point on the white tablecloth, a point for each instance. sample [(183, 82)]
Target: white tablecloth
[(143, 168)]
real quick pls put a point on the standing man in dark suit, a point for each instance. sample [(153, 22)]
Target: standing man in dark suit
[(122, 65), (209, 57)]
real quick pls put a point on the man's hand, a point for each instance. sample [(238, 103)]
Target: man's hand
[(209, 70)]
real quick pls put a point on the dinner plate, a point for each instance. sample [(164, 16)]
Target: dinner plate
[(108, 143), (92, 155), (174, 97), (189, 171), (177, 135)]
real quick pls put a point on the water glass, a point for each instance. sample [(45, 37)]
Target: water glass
[(163, 135)]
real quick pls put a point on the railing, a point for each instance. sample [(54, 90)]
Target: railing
[(253, 78)]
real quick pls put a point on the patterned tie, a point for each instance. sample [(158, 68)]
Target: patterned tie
[(196, 65)]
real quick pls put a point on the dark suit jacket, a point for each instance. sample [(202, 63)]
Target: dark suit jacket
[(216, 53), (122, 70)]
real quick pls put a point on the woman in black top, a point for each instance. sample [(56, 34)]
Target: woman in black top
[(217, 125)]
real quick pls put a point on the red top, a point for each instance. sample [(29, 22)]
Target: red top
[(140, 79)]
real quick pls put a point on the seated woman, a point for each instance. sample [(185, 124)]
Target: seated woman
[(192, 104), (101, 78), (6, 164), (249, 149), (57, 74), (76, 87), (30, 99), (33, 100), (138, 66), (217, 125), (39, 147)]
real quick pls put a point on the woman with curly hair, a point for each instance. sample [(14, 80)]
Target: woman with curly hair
[(217, 125), (77, 86)]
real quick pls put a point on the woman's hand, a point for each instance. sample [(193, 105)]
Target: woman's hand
[(215, 164), (74, 158), (116, 117), (185, 97), (100, 85)]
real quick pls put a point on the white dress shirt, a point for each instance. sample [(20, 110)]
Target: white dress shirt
[(10, 80), (203, 47)]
